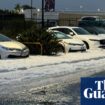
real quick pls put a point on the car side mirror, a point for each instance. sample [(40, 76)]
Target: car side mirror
[(71, 33)]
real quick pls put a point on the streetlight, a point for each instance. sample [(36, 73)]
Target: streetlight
[(81, 7), (42, 13), (98, 9)]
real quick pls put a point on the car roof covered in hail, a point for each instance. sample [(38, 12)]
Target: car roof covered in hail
[(12, 44)]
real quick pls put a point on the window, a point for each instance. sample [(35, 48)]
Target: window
[(61, 35), (100, 30), (81, 31), (91, 30), (64, 30)]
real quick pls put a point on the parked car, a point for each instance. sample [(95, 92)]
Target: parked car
[(91, 18), (68, 43), (91, 41), (12, 48), (91, 21), (96, 31)]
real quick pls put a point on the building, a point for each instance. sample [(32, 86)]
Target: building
[(37, 14), (69, 18)]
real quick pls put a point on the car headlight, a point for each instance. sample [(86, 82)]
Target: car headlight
[(74, 44), (5, 48)]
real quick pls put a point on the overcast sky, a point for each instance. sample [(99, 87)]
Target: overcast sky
[(77, 5)]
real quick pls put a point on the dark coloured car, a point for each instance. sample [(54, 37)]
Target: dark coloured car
[(91, 21), (96, 31)]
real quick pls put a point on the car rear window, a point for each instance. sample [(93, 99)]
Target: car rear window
[(89, 18)]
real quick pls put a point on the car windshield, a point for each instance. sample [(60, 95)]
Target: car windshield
[(61, 35), (81, 31), (100, 30), (4, 38)]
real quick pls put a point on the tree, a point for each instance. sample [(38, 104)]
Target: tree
[(18, 8), (27, 7)]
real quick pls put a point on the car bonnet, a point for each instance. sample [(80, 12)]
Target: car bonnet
[(12, 44)]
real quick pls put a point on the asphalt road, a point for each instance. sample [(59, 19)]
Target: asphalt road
[(59, 89), (65, 93)]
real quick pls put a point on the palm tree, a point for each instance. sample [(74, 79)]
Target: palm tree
[(17, 8)]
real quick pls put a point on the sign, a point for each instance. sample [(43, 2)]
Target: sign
[(93, 91), (49, 5)]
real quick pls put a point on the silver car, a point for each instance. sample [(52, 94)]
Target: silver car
[(12, 48)]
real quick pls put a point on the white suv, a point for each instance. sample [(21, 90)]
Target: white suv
[(91, 41)]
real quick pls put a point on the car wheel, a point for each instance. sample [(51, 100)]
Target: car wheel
[(61, 48), (83, 50), (87, 45), (58, 49), (27, 55)]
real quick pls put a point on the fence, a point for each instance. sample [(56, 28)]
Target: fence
[(14, 26), (20, 23), (52, 22)]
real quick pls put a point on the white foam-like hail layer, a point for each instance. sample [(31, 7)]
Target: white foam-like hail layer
[(17, 70)]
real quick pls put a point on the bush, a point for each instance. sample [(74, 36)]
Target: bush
[(49, 42), (13, 26)]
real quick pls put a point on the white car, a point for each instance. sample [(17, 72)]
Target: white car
[(91, 41), (11, 48), (68, 43)]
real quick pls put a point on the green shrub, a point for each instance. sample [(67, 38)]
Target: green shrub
[(49, 42), (13, 27)]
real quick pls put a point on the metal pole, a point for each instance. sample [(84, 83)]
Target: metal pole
[(31, 8), (42, 13)]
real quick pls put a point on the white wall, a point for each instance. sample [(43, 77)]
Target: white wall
[(38, 14)]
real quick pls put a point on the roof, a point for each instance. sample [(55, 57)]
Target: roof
[(63, 27)]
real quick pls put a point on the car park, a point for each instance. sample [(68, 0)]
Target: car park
[(12, 48), (68, 43), (91, 41)]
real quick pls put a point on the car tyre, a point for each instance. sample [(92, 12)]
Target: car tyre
[(27, 55), (87, 45), (83, 50), (61, 48)]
